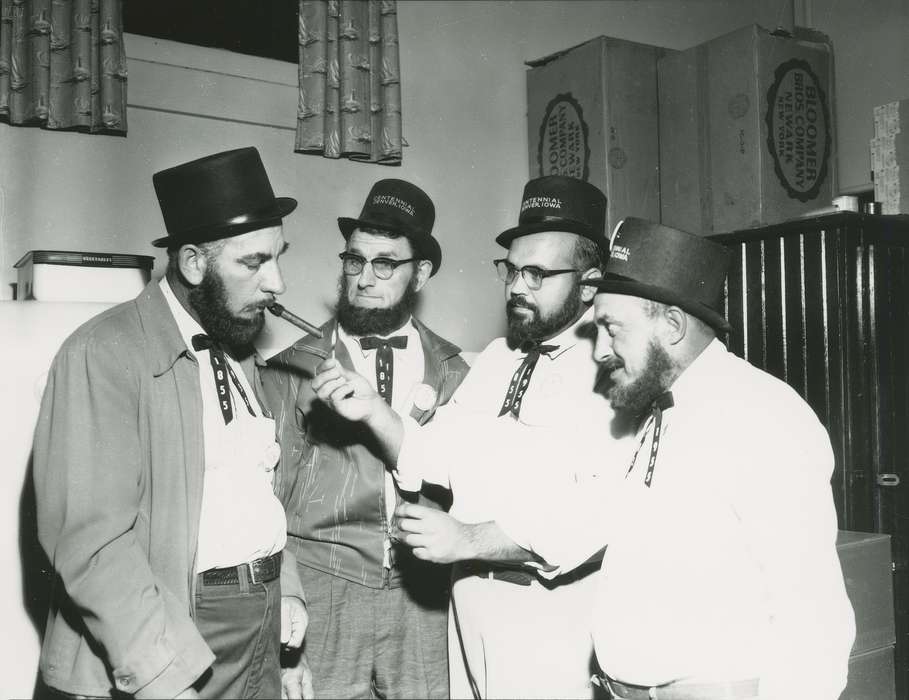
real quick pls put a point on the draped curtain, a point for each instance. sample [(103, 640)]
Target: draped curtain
[(349, 73), (62, 64)]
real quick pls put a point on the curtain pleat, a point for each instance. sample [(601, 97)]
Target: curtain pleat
[(349, 75), (63, 65)]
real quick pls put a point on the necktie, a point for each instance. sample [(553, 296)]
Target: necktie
[(221, 370), (655, 421), (520, 380), (385, 361)]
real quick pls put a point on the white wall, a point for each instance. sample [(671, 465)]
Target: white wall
[(871, 56)]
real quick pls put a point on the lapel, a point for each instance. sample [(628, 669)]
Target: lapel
[(436, 352)]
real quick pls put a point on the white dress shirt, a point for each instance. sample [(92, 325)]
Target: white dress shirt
[(725, 568), (479, 455), (241, 518), (409, 368)]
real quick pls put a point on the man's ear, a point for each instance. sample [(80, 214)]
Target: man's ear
[(424, 270), (588, 292), (676, 324), (192, 263)]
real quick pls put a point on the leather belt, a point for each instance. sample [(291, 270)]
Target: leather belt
[(258, 571), (521, 577), (680, 690)]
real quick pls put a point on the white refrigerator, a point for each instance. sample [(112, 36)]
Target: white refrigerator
[(30, 334)]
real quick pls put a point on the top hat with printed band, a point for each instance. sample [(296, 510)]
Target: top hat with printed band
[(660, 263), (218, 196), (560, 203), (399, 207)]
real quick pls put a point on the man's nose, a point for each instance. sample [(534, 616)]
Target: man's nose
[(273, 282), (367, 276), (602, 347), (518, 286)]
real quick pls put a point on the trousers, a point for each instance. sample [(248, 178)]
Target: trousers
[(241, 623), (373, 642)]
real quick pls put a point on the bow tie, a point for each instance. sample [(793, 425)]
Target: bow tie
[(662, 402), (537, 349), (371, 342), (203, 342)]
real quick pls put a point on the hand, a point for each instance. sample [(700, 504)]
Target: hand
[(296, 680), (348, 393), (433, 534), (294, 620)]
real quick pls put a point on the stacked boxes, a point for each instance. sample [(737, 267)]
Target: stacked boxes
[(866, 562), (592, 114), (746, 131), (890, 150)]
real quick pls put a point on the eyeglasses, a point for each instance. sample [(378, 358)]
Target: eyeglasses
[(533, 275), (383, 268)]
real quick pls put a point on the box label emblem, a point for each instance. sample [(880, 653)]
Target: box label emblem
[(564, 143), (798, 129)]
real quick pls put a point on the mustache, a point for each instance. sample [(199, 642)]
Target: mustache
[(612, 364), (520, 302), (259, 305)]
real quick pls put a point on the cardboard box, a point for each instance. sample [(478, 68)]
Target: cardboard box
[(746, 131), (592, 114), (867, 571), (890, 157), (871, 676), (60, 275)]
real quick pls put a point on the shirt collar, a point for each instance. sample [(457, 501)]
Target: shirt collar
[(187, 325), (408, 330)]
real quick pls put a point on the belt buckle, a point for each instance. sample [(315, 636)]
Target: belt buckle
[(252, 571)]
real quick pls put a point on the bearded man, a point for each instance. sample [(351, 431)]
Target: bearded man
[(377, 614), (513, 634), (154, 462)]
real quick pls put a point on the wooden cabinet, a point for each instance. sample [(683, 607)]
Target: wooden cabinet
[(823, 304)]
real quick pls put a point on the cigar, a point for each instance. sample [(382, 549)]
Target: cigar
[(281, 312)]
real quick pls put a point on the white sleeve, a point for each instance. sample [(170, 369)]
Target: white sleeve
[(564, 533), (422, 456), (561, 519), (429, 452)]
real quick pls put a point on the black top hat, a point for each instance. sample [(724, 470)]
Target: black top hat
[(399, 207), (218, 196), (560, 203), (664, 264)]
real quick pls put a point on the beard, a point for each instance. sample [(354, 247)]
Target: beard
[(536, 327), (359, 320), (636, 397), (209, 300)]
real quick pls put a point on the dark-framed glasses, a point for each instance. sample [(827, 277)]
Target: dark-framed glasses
[(383, 268), (533, 275)]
